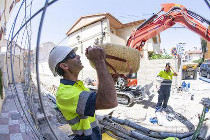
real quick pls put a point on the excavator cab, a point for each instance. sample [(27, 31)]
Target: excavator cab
[(128, 92), (132, 80)]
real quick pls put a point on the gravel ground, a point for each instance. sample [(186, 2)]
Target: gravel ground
[(183, 112)]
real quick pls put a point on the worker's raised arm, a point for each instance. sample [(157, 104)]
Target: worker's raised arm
[(175, 73), (106, 97)]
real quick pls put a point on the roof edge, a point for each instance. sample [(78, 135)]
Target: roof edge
[(107, 15)]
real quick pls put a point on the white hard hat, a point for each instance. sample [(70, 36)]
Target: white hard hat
[(58, 54)]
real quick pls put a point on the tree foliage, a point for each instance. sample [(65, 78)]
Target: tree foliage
[(159, 56), (203, 45), (199, 61)]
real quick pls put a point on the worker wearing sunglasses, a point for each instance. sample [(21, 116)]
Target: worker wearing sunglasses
[(76, 102)]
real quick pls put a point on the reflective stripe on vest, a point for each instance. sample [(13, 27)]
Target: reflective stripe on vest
[(87, 131), (83, 97), (166, 82), (76, 120)]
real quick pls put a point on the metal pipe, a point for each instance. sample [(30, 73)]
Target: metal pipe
[(122, 135), (37, 67), (132, 125), (179, 135), (12, 71), (187, 138), (141, 136), (150, 132)]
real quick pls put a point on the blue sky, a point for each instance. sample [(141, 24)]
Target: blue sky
[(64, 13)]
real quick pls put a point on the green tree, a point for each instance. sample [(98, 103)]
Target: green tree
[(203, 46), (159, 56)]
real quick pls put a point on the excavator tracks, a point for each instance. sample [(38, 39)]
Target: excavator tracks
[(125, 98)]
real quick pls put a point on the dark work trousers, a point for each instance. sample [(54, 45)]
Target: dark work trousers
[(163, 96)]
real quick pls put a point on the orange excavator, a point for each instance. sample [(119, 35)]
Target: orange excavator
[(172, 14)]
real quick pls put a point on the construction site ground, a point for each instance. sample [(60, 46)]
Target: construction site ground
[(183, 115)]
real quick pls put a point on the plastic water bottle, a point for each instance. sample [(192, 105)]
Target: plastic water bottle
[(184, 85)]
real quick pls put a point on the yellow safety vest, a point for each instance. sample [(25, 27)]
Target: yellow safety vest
[(166, 75), (71, 100)]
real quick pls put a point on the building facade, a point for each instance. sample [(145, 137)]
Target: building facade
[(104, 28), (193, 55), (6, 7)]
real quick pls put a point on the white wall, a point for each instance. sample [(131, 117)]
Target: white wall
[(88, 36), (44, 51), (117, 40), (125, 32), (153, 47), (193, 57), (149, 70), (149, 46)]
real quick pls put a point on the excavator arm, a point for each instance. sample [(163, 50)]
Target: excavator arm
[(174, 13)]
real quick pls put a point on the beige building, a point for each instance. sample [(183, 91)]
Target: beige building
[(6, 7), (104, 28), (193, 55), (17, 63)]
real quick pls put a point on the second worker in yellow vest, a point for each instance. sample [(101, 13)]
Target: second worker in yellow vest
[(165, 79)]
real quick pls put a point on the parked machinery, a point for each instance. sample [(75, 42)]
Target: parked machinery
[(188, 70), (127, 90), (173, 13), (205, 70)]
